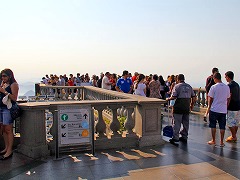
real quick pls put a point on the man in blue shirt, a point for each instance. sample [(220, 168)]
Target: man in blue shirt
[(124, 84)]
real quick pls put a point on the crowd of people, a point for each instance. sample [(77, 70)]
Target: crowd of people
[(152, 85), (223, 99), (223, 105)]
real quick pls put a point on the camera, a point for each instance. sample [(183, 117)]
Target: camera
[(205, 119)]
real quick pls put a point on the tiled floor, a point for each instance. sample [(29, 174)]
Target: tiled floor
[(194, 160)]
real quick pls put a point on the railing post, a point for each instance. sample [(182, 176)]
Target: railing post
[(66, 93), (204, 103), (130, 122), (37, 89), (79, 93), (115, 124), (56, 93), (101, 125), (61, 93), (198, 97), (148, 124), (33, 132)]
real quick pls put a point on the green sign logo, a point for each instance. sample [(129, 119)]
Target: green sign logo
[(64, 117)]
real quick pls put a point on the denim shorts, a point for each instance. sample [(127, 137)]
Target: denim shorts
[(5, 116), (215, 117)]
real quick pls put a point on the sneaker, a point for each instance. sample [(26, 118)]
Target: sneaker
[(182, 139), (173, 141)]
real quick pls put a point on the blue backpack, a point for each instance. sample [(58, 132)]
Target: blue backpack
[(168, 131)]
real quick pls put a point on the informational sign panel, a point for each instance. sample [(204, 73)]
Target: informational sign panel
[(74, 125)]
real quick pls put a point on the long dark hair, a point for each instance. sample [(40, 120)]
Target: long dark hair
[(161, 80), (140, 77), (10, 74)]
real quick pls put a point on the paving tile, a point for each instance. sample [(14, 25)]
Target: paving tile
[(155, 162), (202, 155), (32, 176), (85, 160), (126, 154), (169, 149), (187, 159), (16, 161), (154, 173), (115, 168), (180, 172), (49, 165), (203, 169), (223, 176), (194, 160), (20, 169), (228, 165)]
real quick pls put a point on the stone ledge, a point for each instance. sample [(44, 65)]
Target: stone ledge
[(116, 142)]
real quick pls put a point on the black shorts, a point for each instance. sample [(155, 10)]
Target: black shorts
[(215, 117)]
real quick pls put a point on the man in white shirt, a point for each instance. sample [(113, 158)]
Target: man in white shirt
[(106, 84), (218, 100)]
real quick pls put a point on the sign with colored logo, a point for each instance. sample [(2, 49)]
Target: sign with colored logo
[(64, 117), (74, 125)]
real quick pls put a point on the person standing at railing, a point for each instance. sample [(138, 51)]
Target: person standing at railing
[(93, 81), (154, 87), (62, 81), (124, 84), (78, 80), (134, 77), (210, 81), (162, 87), (99, 82), (113, 80), (218, 100), (139, 86), (233, 115), (185, 99), (106, 84), (9, 87)]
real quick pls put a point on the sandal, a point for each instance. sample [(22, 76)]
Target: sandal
[(222, 145), (2, 153), (211, 142), (230, 139)]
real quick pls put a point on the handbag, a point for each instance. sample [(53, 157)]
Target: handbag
[(166, 88), (168, 130), (15, 111)]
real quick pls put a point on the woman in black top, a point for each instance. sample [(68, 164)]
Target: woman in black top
[(9, 87)]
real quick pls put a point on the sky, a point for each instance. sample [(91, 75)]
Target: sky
[(148, 36)]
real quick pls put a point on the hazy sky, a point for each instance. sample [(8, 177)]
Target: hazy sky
[(148, 36)]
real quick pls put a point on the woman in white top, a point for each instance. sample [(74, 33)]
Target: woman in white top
[(139, 86)]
